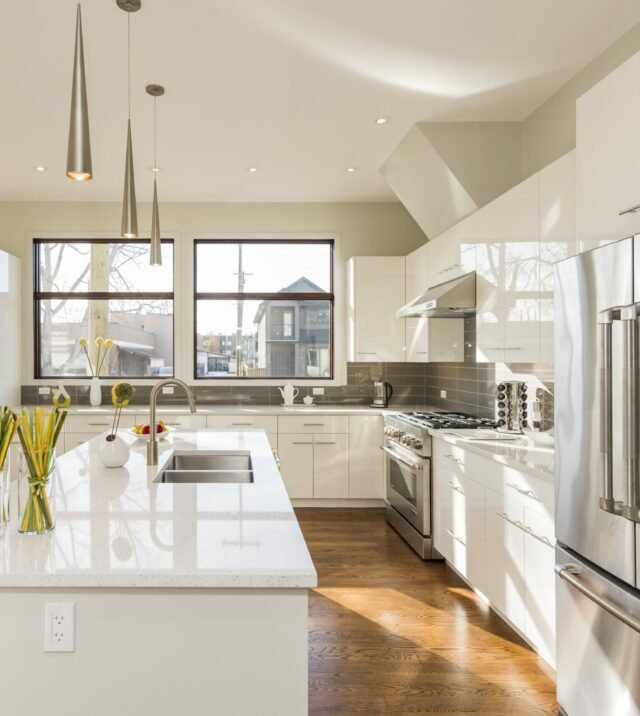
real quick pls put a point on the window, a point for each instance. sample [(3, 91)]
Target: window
[(96, 287), (263, 309)]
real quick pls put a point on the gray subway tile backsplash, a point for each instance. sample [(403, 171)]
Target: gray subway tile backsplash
[(470, 387)]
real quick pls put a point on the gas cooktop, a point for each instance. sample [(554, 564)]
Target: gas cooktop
[(440, 421)]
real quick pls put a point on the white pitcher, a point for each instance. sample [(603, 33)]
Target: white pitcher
[(289, 394)]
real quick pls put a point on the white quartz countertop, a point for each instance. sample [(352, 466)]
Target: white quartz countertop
[(117, 528), (520, 454)]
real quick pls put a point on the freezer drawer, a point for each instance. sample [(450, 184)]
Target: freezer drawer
[(598, 654)]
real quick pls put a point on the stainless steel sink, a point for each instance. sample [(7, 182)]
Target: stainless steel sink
[(207, 467)]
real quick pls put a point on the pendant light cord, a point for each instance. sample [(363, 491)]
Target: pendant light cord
[(129, 63), (155, 133)]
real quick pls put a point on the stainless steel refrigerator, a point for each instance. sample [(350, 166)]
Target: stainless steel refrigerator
[(597, 384)]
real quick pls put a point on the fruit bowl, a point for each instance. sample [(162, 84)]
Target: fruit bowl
[(143, 436)]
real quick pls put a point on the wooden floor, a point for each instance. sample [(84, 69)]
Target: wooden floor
[(391, 634)]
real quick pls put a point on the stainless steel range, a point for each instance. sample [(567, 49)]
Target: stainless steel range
[(407, 446)]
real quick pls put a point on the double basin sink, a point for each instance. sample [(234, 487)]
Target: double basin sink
[(202, 467)]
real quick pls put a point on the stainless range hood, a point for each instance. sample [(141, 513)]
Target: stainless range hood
[(451, 299)]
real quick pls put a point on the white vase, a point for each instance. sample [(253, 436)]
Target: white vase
[(95, 393), (114, 453)]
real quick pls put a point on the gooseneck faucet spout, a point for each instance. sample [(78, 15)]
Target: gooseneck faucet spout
[(152, 447)]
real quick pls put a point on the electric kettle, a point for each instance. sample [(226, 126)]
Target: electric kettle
[(382, 393)]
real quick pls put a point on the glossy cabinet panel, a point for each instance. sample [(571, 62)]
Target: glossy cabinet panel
[(330, 466), (10, 329), (376, 292), (608, 157), (296, 460), (366, 460)]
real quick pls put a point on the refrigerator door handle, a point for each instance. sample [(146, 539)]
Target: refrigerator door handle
[(570, 573), (607, 500), (631, 506)]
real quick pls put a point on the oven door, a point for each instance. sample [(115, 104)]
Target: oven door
[(408, 480)]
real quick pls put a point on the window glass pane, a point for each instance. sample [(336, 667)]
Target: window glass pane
[(263, 339), (263, 267), (142, 332), (117, 267)]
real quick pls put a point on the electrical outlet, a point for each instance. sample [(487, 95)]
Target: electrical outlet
[(59, 626), (44, 390), (443, 393), (168, 390), (318, 391)]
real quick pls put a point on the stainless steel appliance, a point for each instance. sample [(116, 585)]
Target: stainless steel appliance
[(451, 299), (511, 406), (597, 304), (382, 393), (407, 448)]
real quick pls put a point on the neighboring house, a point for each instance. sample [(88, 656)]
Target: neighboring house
[(293, 336)]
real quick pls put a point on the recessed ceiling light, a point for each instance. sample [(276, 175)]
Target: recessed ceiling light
[(382, 120), (252, 170), (351, 170), (40, 168)]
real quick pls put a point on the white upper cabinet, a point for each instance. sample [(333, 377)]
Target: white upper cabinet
[(417, 272), (376, 292), (11, 323), (452, 253), (608, 157), (558, 237), (507, 243)]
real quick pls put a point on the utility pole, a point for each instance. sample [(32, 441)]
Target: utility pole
[(239, 316)]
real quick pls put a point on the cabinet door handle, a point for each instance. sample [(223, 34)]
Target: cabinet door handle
[(244, 424), (174, 425), (630, 210), (540, 538), (314, 425), (514, 348), (99, 425), (325, 442), (522, 491), (515, 523), (301, 442), (457, 539), (457, 488), (455, 459)]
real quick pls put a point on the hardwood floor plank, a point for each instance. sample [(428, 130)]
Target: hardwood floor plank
[(391, 634)]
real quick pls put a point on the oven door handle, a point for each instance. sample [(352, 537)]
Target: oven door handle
[(397, 458)]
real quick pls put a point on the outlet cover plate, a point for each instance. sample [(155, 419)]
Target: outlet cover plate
[(44, 390), (443, 393), (59, 626), (168, 390), (318, 391)]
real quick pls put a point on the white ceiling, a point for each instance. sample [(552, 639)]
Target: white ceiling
[(290, 86)]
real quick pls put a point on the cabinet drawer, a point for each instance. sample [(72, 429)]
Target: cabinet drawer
[(313, 424), (466, 500), (96, 424), (458, 458), (535, 494), (269, 423), (179, 422)]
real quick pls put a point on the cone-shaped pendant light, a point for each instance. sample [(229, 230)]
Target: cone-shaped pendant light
[(129, 228), (155, 255), (79, 165)]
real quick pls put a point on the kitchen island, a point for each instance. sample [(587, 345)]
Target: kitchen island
[(189, 598)]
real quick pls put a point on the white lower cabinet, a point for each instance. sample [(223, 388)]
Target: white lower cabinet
[(330, 466), (494, 526), (366, 460), (505, 567), (296, 461)]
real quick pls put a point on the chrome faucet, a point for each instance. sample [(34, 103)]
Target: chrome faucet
[(152, 447)]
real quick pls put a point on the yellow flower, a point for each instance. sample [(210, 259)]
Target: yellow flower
[(82, 342), (99, 341), (121, 394), (108, 343)]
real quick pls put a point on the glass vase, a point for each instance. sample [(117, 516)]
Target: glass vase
[(36, 498), (4, 500)]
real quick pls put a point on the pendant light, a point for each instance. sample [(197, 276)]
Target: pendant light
[(129, 228), (155, 255), (79, 148)]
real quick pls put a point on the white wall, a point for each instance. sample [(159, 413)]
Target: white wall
[(360, 229), (550, 131)]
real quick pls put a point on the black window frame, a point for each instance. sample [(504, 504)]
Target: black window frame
[(328, 297), (39, 295)]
